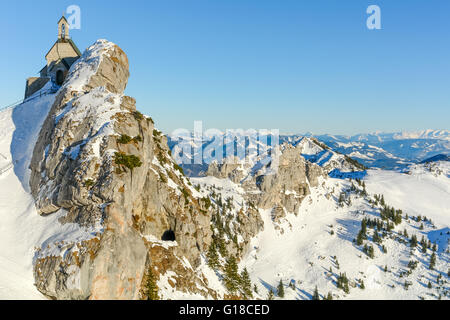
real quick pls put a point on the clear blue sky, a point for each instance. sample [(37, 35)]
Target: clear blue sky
[(294, 65)]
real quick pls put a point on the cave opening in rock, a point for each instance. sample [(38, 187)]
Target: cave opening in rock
[(168, 235)]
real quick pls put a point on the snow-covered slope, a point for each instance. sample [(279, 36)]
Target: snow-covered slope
[(21, 228), (315, 246), (422, 190)]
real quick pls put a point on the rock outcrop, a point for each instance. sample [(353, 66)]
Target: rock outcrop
[(104, 169), (279, 185)]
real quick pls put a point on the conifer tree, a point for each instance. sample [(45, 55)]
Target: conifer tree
[(362, 285), (213, 256), (280, 289), (231, 276), (329, 296), (424, 248), (364, 226), (359, 239), (413, 241), (376, 237), (150, 290), (270, 295), (432, 261), (346, 288), (342, 282), (246, 284), (316, 295), (221, 245)]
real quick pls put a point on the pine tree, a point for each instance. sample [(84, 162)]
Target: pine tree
[(213, 256), (424, 248), (316, 295), (413, 241), (376, 237), (246, 284), (432, 261), (366, 249), (346, 288), (270, 295), (342, 282), (231, 276), (221, 244), (341, 199), (255, 288), (362, 285), (364, 226), (370, 252), (150, 290), (360, 238), (329, 296), (280, 289), (429, 285)]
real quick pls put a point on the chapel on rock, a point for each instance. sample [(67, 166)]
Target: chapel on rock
[(59, 59)]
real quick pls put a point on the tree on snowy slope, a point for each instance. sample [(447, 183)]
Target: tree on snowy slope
[(280, 289), (432, 261), (231, 276), (213, 256), (246, 284), (150, 290), (316, 295)]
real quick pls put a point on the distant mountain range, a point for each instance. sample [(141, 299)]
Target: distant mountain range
[(390, 151)]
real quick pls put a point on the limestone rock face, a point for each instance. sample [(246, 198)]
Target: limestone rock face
[(106, 172), (290, 183), (286, 185), (231, 168)]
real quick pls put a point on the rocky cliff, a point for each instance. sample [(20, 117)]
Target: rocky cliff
[(280, 184), (125, 207)]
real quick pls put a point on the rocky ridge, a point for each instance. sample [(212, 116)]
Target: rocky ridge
[(105, 170)]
